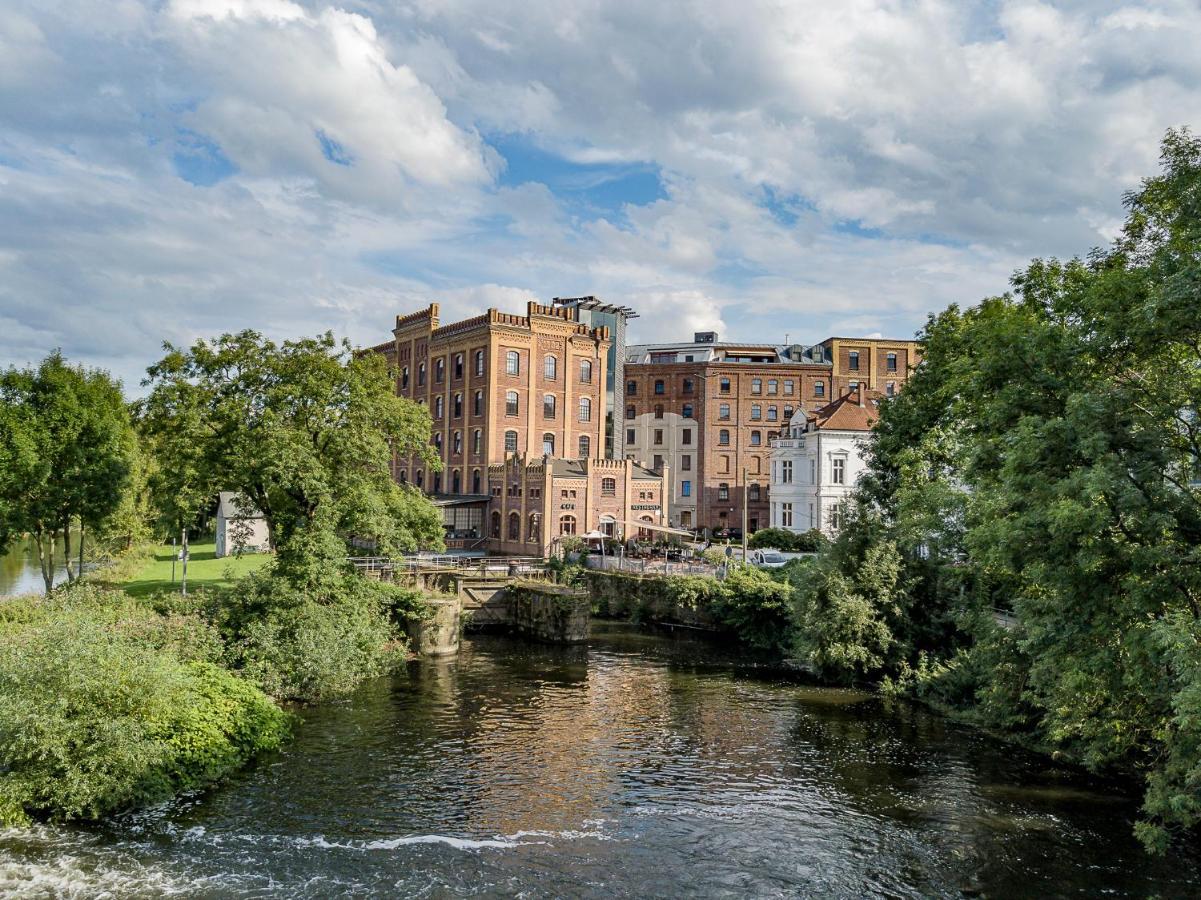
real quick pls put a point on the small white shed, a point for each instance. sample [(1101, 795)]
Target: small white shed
[(241, 527)]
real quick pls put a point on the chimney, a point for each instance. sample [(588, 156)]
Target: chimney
[(860, 390)]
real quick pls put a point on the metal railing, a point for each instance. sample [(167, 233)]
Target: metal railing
[(382, 566), (639, 566)]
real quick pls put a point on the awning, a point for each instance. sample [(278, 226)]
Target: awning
[(650, 526)]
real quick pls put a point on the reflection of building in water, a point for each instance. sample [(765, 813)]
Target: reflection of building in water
[(570, 760)]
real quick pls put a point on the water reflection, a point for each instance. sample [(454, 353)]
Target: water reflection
[(635, 766), (21, 573)]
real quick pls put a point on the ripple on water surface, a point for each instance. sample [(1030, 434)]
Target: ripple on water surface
[(635, 766)]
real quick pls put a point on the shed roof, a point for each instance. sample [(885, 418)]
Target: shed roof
[(232, 505)]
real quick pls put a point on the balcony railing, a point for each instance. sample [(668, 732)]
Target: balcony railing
[(788, 443)]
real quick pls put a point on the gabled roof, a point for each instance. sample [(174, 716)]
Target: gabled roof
[(233, 505), (846, 413)]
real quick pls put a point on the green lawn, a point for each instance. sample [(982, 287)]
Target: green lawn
[(204, 570)]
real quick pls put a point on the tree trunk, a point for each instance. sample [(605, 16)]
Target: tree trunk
[(185, 562), (80, 568), (45, 560), (67, 548)]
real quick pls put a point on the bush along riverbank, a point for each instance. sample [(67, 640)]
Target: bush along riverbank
[(110, 702)]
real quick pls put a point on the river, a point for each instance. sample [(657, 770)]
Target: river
[(20, 572), (636, 766)]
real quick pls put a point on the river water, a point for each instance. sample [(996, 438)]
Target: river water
[(637, 766)]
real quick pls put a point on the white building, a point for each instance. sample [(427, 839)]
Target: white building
[(241, 528), (814, 468)]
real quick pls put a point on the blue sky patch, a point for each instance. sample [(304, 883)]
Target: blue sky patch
[(333, 151), (199, 160), (589, 190)]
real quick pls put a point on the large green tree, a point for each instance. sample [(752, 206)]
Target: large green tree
[(304, 430), (64, 456), (1038, 478)]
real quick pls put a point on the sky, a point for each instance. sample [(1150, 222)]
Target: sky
[(177, 169)]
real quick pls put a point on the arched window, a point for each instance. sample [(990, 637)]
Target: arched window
[(404, 378), (458, 365), (753, 493), (567, 525), (585, 409), (512, 363), (514, 526), (644, 533), (725, 385), (550, 368), (437, 482), (890, 389), (477, 405), (631, 387), (773, 386), (420, 374), (419, 479), (438, 441), (723, 437), (630, 412), (585, 446), (585, 371), (404, 477), (456, 482), (723, 491), (756, 385), (437, 407), (756, 411), (458, 406), (510, 442), (687, 411), (608, 487), (479, 362), (495, 530), (475, 481), (854, 361), (477, 441), (548, 406), (658, 410), (531, 530), (511, 403), (457, 443), (439, 370), (819, 389), (548, 444)]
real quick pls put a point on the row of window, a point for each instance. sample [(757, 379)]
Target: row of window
[(583, 446), (659, 386), (838, 471), (786, 518), (513, 406), (890, 361), (550, 368)]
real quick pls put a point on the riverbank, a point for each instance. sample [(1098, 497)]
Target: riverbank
[(634, 765)]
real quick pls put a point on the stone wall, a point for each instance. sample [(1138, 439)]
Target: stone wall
[(439, 634), (553, 613), (674, 599)]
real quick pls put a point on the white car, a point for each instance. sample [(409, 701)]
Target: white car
[(768, 559)]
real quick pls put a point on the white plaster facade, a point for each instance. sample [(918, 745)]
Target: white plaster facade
[(815, 468)]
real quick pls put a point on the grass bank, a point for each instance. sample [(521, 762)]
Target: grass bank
[(205, 570)]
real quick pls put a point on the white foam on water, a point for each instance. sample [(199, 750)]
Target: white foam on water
[(499, 842)]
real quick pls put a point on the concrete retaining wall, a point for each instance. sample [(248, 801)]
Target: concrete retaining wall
[(674, 599), (552, 613), (439, 634)]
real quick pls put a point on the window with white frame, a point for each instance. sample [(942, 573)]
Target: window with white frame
[(838, 471)]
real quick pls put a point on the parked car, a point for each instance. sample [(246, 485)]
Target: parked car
[(768, 559)]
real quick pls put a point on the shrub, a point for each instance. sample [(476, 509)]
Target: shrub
[(315, 644), (105, 705), (788, 541), (756, 607)]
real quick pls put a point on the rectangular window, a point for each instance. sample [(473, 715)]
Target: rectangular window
[(687, 385), (685, 488), (786, 472), (773, 386), (756, 412), (631, 387), (819, 389), (658, 462), (723, 491), (839, 473), (630, 438), (786, 515), (658, 437), (725, 385), (756, 385), (756, 438), (853, 361), (686, 436), (772, 414), (723, 411), (789, 386), (686, 463)]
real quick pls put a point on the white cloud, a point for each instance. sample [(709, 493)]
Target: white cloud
[(825, 166)]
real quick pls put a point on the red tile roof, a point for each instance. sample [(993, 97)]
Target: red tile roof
[(845, 413)]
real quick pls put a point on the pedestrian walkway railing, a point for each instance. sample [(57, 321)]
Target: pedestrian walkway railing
[(388, 567), (639, 566)]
